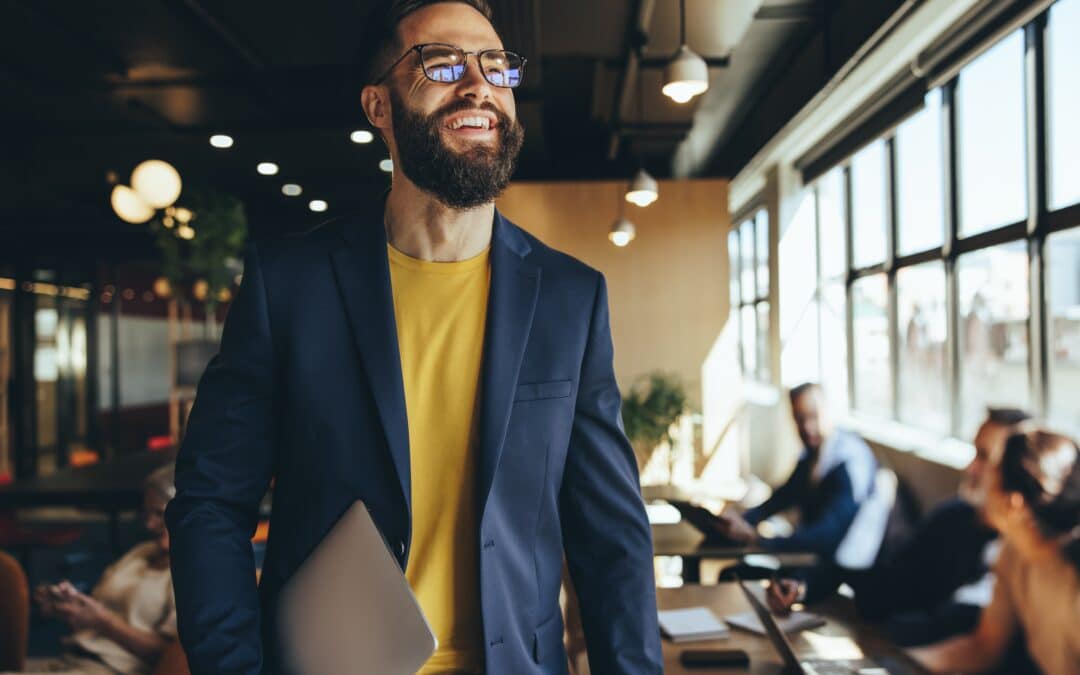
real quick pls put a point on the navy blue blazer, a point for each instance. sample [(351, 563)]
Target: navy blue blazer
[(307, 389)]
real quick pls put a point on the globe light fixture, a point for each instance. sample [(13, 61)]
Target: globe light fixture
[(291, 190), (361, 136), (156, 182), (643, 189), (221, 141), (387, 165), (317, 205), (129, 205), (267, 168)]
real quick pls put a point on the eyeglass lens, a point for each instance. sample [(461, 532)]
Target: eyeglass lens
[(444, 63)]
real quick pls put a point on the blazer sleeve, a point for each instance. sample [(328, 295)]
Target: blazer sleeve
[(222, 471), (606, 533), (824, 535)]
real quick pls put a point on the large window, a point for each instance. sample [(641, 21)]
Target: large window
[(870, 335), (920, 179), (1063, 102), (992, 288), (748, 247), (1063, 328), (990, 138), (868, 205), (922, 329), (939, 304)]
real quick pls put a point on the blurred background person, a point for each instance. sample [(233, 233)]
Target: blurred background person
[(127, 621), (1033, 500), (834, 474)]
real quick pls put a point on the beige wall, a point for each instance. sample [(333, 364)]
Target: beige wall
[(668, 290)]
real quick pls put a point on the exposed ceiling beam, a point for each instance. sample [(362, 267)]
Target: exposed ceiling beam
[(636, 37), (799, 12)]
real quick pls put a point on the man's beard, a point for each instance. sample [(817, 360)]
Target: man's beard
[(460, 180)]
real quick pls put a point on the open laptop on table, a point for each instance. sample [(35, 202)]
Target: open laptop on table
[(349, 609), (795, 666)]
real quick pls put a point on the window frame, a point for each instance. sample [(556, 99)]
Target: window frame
[(754, 215), (1038, 224)]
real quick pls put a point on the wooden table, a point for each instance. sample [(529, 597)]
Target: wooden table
[(843, 629), (683, 540), (110, 487)]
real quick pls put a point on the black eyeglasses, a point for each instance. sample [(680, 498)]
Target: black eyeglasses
[(445, 63)]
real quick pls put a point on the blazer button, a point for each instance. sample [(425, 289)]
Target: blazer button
[(401, 548)]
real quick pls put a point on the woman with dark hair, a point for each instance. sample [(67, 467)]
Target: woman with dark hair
[(1033, 499)]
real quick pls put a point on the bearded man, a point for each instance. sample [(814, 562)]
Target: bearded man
[(437, 362)]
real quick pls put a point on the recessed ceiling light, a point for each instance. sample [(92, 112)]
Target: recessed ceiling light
[(317, 205), (291, 190), (387, 165), (361, 136), (267, 168), (221, 141)]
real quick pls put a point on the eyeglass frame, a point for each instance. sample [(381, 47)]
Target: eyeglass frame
[(418, 48)]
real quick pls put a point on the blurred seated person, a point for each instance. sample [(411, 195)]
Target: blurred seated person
[(934, 584), (834, 474), (129, 618), (938, 582), (1033, 500)]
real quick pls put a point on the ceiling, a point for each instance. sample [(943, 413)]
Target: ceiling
[(88, 93)]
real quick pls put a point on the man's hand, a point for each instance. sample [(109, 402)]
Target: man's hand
[(734, 527), (781, 595), (79, 610)]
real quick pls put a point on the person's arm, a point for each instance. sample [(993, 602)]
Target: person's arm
[(605, 530), (983, 648), (222, 471), (84, 612), (783, 498), (824, 535)]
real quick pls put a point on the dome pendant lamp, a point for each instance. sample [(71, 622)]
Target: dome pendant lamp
[(686, 74)]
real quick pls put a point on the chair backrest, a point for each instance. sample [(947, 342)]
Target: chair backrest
[(14, 614)]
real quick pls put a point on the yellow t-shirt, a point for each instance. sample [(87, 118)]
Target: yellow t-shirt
[(440, 309)]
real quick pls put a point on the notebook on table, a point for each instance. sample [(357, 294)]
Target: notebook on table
[(691, 624)]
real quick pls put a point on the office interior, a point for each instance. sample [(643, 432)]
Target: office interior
[(879, 197)]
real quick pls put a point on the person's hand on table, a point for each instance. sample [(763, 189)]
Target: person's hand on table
[(734, 527), (782, 594), (45, 596), (79, 610)]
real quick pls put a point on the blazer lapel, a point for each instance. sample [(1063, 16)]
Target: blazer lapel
[(363, 277), (515, 287)]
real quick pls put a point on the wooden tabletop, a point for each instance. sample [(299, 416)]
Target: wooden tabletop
[(110, 485), (843, 632)]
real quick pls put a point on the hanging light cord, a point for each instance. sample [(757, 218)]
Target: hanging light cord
[(682, 22)]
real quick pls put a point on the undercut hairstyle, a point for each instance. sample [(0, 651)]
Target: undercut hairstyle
[(1007, 416), (806, 387), (380, 42)]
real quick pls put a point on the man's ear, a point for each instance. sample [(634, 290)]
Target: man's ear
[(375, 101)]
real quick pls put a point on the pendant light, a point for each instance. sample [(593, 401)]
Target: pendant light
[(643, 189), (622, 231), (686, 74)]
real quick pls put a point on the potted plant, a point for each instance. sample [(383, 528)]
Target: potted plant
[(649, 410)]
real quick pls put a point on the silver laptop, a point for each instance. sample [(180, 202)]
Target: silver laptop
[(349, 609), (792, 663)]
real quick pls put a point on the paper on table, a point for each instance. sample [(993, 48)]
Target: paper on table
[(692, 623), (793, 623)]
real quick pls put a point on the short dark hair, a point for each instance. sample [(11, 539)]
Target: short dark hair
[(1007, 416), (380, 43), (806, 387)]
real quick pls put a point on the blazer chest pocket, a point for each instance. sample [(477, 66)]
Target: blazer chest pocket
[(541, 390)]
